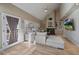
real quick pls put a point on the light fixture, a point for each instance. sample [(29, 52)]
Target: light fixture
[(45, 10)]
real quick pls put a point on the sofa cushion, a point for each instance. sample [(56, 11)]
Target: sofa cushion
[(55, 41)]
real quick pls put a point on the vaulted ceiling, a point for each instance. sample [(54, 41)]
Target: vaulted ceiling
[(39, 10)]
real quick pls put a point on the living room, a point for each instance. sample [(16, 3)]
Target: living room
[(45, 31)]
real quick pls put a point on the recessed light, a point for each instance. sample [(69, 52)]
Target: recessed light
[(46, 10)]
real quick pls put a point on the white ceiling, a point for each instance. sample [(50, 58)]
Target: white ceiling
[(37, 9)]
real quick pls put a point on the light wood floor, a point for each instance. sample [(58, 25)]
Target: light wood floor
[(71, 48), (23, 49)]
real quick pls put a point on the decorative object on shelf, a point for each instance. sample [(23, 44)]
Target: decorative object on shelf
[(49, 24)]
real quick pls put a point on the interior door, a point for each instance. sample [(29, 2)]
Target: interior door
[(12, 23)]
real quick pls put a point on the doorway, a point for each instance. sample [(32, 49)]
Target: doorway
[(12, 32)]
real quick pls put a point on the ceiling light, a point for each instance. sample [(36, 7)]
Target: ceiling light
[(46, 10)]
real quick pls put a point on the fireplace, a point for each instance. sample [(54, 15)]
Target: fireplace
[(50, 31)]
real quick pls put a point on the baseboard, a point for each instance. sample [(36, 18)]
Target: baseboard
[(72, 41), (75, 43)]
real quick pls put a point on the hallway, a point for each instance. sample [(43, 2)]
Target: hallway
[(23, 49)]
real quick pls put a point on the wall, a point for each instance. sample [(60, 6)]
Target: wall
[(11, 9), (0, 31), (58, 29), (72, 35), (65, 7), (43, 24)]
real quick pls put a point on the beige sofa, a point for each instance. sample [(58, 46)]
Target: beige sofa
[(41, 37), (53, 41)]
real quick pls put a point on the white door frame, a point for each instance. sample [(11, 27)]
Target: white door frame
[(5, 47)]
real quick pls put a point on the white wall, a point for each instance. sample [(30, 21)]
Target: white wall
[(20, 31), (65, 7), (74, 35), (0, 32)]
